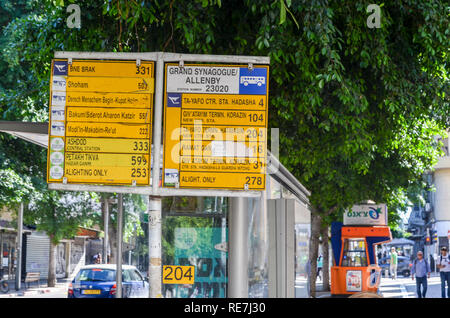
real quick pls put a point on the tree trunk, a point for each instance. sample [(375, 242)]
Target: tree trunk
[(113, 242), (316, 221), (326, 258), (51, 281)]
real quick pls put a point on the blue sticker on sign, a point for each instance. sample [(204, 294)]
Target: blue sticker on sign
[(60, 68), (253, 82), (173, 100)]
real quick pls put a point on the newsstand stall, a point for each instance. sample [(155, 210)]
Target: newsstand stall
[(355, 263)]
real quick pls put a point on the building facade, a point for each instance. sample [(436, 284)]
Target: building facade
[(429, 224)]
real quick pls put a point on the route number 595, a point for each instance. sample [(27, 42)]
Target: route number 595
[(175, 274)]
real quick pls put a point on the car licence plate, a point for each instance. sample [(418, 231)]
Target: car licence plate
[(91, 292)]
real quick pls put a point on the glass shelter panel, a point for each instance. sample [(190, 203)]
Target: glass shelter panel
[(257, 250), (195, 234), (302, 268)]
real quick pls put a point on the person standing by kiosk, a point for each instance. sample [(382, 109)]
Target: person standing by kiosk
[(393, 263), (443, 263)]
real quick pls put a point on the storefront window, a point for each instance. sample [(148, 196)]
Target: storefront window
[(354, 254)]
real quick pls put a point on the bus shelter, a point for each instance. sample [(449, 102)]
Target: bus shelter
[(242, 234)]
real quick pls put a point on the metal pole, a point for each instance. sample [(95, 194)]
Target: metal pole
[(154, 213), (119, 247), (154, 247), (238, 249), (105, 229), (157, 122), (19, 246)]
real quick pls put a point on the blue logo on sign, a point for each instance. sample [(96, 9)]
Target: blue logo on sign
[(60, 68), (173, 100), (253, 82), (374, 213)]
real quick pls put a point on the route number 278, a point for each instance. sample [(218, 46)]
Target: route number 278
[(175, 274)]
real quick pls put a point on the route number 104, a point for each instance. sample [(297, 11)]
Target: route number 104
[(175, 274)]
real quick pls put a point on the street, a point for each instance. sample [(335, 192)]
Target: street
[(402, 287), (405, 287)]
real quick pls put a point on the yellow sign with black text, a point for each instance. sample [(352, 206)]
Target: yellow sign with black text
[(112, 145), (100, 122), (176, 274), (215, 126)]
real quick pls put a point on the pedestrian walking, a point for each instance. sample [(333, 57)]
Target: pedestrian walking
[(393, 263), (421, 269), (319, 266), (97, 258), (443, 263)]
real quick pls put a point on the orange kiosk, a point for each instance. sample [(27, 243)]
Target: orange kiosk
[(355, 263)]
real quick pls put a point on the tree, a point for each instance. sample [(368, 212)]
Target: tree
[(133, 207), (365, 124), (357, 107), (22, 164), (59, 215)]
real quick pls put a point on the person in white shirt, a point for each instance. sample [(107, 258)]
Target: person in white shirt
[(443, 263)]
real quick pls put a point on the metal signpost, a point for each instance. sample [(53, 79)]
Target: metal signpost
[(119, 247), (101, 128)]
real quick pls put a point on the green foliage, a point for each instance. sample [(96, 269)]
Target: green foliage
[(357, 108), (60, 214), (359, 113), (20, 180)]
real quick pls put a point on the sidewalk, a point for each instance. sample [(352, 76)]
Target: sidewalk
[(320, 293), (35, 289)]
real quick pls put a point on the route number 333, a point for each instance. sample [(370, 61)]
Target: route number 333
[(175, 274)]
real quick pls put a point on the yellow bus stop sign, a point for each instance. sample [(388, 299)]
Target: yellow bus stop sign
[(215, 126), (100, 122), (176, 274)]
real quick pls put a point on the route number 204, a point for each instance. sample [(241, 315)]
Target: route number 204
[(175, 274)]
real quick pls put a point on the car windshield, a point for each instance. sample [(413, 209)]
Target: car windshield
[(96, 275)]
